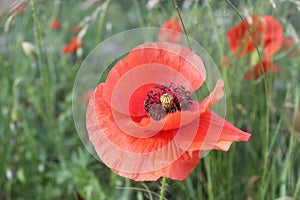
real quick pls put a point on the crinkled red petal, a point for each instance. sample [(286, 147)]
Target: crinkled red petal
[(146, 126), (155, 63), (273, 36), (266, 31), (121, 151), (165, 154), (216, 133), (178, 170), (236, 39)]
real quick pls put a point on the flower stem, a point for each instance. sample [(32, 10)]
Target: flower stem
[(267, 87), (44, 70), (163, 187), (184, 29), (104, 8), (48, 117)]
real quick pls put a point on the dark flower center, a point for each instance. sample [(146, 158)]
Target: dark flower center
[(162, 100)]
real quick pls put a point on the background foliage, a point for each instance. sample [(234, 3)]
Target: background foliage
[(41, 154)]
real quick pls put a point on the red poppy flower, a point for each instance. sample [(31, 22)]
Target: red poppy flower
[(256, 71), (72, 47), (143, 122), (267, 33), (55, 24), (170, 31)]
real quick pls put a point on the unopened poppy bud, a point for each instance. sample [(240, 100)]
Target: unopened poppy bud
[(29, 49)]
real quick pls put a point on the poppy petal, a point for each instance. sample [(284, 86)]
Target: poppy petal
[(179, 119), (156, 63), (111, 143), (130, 92), (265, 30), (215, 96), (273, 36), (147, 127), (216, 133), (111, 124), (238, 38), (178, 170)]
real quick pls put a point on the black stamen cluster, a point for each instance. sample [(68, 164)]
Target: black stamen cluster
[(154, 108)]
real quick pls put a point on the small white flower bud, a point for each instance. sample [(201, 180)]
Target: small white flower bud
[(29, 49)]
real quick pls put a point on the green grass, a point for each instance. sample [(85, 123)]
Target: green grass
[(40, 145)]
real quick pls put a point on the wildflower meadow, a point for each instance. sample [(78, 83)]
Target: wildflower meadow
[(150, 99)]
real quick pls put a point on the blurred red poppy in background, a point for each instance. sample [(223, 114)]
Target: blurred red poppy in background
[(55, 24), (256, 71), (267, 33), (143, 122), (72, 46), (170, 36)]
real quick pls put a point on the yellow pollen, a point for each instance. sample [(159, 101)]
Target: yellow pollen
[(166, 101)]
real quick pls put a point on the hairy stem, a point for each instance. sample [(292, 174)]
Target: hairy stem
[(163, 187)]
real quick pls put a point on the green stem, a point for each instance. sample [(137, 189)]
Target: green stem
[(55, 10), (207, 164), (184, 29), (297, 190), (163, 187), (266, 150), (44, 70), (102, 19), (48, 116)]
